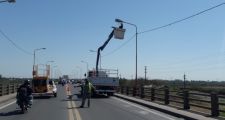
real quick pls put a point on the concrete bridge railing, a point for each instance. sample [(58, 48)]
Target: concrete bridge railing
[(6, 89), (212, 104)]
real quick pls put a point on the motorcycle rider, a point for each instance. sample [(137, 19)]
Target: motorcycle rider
[(24, 92)]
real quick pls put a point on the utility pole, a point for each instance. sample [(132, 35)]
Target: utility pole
[(145, 73), (184, 81)]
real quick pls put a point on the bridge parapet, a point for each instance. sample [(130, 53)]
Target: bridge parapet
[(211, 104), (6, 89)]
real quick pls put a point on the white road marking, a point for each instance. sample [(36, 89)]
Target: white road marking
[(76, 111), (7, 105), (72, 109), (156, 113)]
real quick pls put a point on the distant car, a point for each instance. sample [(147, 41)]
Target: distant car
[(54, 88), (74, 81)]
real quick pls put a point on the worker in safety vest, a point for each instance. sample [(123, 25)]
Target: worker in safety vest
[(86, 92)]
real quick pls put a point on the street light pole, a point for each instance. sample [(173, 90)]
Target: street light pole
[(136, 34), (34, 56)]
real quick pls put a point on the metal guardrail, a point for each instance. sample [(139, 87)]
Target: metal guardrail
[(6, 89), (185, 99)]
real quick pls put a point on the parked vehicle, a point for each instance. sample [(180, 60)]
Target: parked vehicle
[(105, 83)]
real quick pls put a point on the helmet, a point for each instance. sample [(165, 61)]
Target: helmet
[(27, 82)]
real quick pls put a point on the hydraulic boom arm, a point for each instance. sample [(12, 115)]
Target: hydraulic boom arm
[(101, 48)]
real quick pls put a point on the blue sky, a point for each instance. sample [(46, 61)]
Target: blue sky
[(69, 29)]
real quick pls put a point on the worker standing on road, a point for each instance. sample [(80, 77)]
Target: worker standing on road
[(86, 92)]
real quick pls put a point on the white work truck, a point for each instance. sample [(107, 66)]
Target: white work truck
[(106, 82)]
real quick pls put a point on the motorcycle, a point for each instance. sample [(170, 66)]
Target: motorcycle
[(22, 103)]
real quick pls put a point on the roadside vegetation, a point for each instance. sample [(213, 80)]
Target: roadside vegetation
[(195, 85), (4, 80)]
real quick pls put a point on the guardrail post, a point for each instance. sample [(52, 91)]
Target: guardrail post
[(134, 91), (1, 90), (14, 88), (8, 89), (214, 105), (142, 92), (11, 90), (186, 99), (152, 94), (127, 90), (121, 89), (17, 86), (166, 95)]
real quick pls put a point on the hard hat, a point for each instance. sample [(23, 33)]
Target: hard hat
[(27, 82)]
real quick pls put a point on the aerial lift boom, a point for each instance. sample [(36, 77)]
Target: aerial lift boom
[(101, 48)]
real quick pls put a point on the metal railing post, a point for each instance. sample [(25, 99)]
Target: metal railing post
[(186, 99), (8, 89), (166, 96), (134, 91), (152, 94), (142, 92), (121, 89), (14, 88), (214, 105), (127, 90), (1, 90)]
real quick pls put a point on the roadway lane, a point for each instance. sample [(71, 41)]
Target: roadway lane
[(42, 109), (103, 108)]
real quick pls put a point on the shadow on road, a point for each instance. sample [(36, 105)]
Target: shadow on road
[(63, 100), (42, 97), (73, 108), (96, 96), (15, 112), (78, 97), (99, 96)]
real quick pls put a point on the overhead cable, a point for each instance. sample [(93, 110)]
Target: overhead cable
[(119, 46), (183, 19), (14, 44), (166, 25)]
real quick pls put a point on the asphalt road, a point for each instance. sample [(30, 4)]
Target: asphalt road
[(60, 108)]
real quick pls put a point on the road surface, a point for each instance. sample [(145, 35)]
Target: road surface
[(61, 108)]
